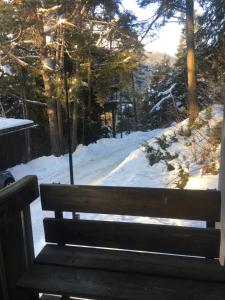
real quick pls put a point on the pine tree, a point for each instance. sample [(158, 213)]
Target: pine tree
[(165, 11), (75, 33), (211, 33)]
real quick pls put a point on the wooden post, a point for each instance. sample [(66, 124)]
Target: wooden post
[(222, 189), (16, 240)]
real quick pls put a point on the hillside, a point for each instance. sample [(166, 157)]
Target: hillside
[(154, 57), (147, 65)]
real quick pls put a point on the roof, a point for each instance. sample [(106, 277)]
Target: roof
[(8, 125)]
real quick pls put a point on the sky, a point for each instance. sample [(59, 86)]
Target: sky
[(168, 38)]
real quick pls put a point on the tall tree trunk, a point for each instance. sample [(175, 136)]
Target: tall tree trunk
[(89, 86), (25, 116), (74, 125), (191, 62), (60, 125), (53, 127), (114, 121), (83, 124), (134, 103), (51, 106), (52, 116)]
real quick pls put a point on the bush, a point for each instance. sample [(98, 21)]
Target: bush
[(183, 178), (162, 142), (155, 155)]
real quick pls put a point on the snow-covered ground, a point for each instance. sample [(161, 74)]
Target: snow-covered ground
[(122, 162)]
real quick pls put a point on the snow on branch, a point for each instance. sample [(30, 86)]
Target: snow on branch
[(168, 95), (51, 28), (169, 91)]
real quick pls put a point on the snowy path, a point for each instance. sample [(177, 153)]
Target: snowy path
[(92, 164)]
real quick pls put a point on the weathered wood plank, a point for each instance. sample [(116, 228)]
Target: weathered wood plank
[(16, 232), (132, 262), (133, 236), (152, 202), (116, 285), (14, 256), (17, 196), (4, 294), (28, 234)]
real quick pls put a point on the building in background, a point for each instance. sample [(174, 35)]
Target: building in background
[(14, 142)]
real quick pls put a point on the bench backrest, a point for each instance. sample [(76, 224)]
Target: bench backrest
[(143, 202)]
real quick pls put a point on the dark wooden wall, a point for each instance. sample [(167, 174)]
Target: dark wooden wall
[(12, 150)]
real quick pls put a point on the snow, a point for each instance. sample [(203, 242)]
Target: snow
[(123, 162), (6, 123), (168, 95), (6, 69)]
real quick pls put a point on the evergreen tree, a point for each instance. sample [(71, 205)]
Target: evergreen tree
[(165, 11), (66, 33), (211, 33), (163, 107)]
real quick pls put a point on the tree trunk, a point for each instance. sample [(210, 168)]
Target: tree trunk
[(89, 86), (26, 116), (114, 122), (134, 103), (53, 127), (52, 117), (83, 123), (60, 125), (74, 126), (191, 62), (51, 106)]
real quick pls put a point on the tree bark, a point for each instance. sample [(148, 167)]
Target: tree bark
[(53, 127), (89, 86), (74, 126), (134, 103), (60, 125), (191, 62), (51, 107), (25, 116), (52, 117)]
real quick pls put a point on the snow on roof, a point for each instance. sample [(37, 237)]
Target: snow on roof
[(6, 123)]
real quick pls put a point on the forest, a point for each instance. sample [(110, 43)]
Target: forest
[(78, 68)]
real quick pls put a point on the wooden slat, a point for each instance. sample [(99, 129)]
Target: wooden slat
[(14, 256), (152, 202), (17, 196), (132, 262), (154, 238), (4, 294), (116, 285)]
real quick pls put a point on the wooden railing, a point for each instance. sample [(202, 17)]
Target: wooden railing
[(222, 189), (16, 240)]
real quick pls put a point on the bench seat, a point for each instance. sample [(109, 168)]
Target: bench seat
[(132, 262), (113, 274)]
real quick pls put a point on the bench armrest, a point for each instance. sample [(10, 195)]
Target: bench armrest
[(17, 196), (16, 239)]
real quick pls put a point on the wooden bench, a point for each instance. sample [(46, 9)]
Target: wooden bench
[(124, 260)]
